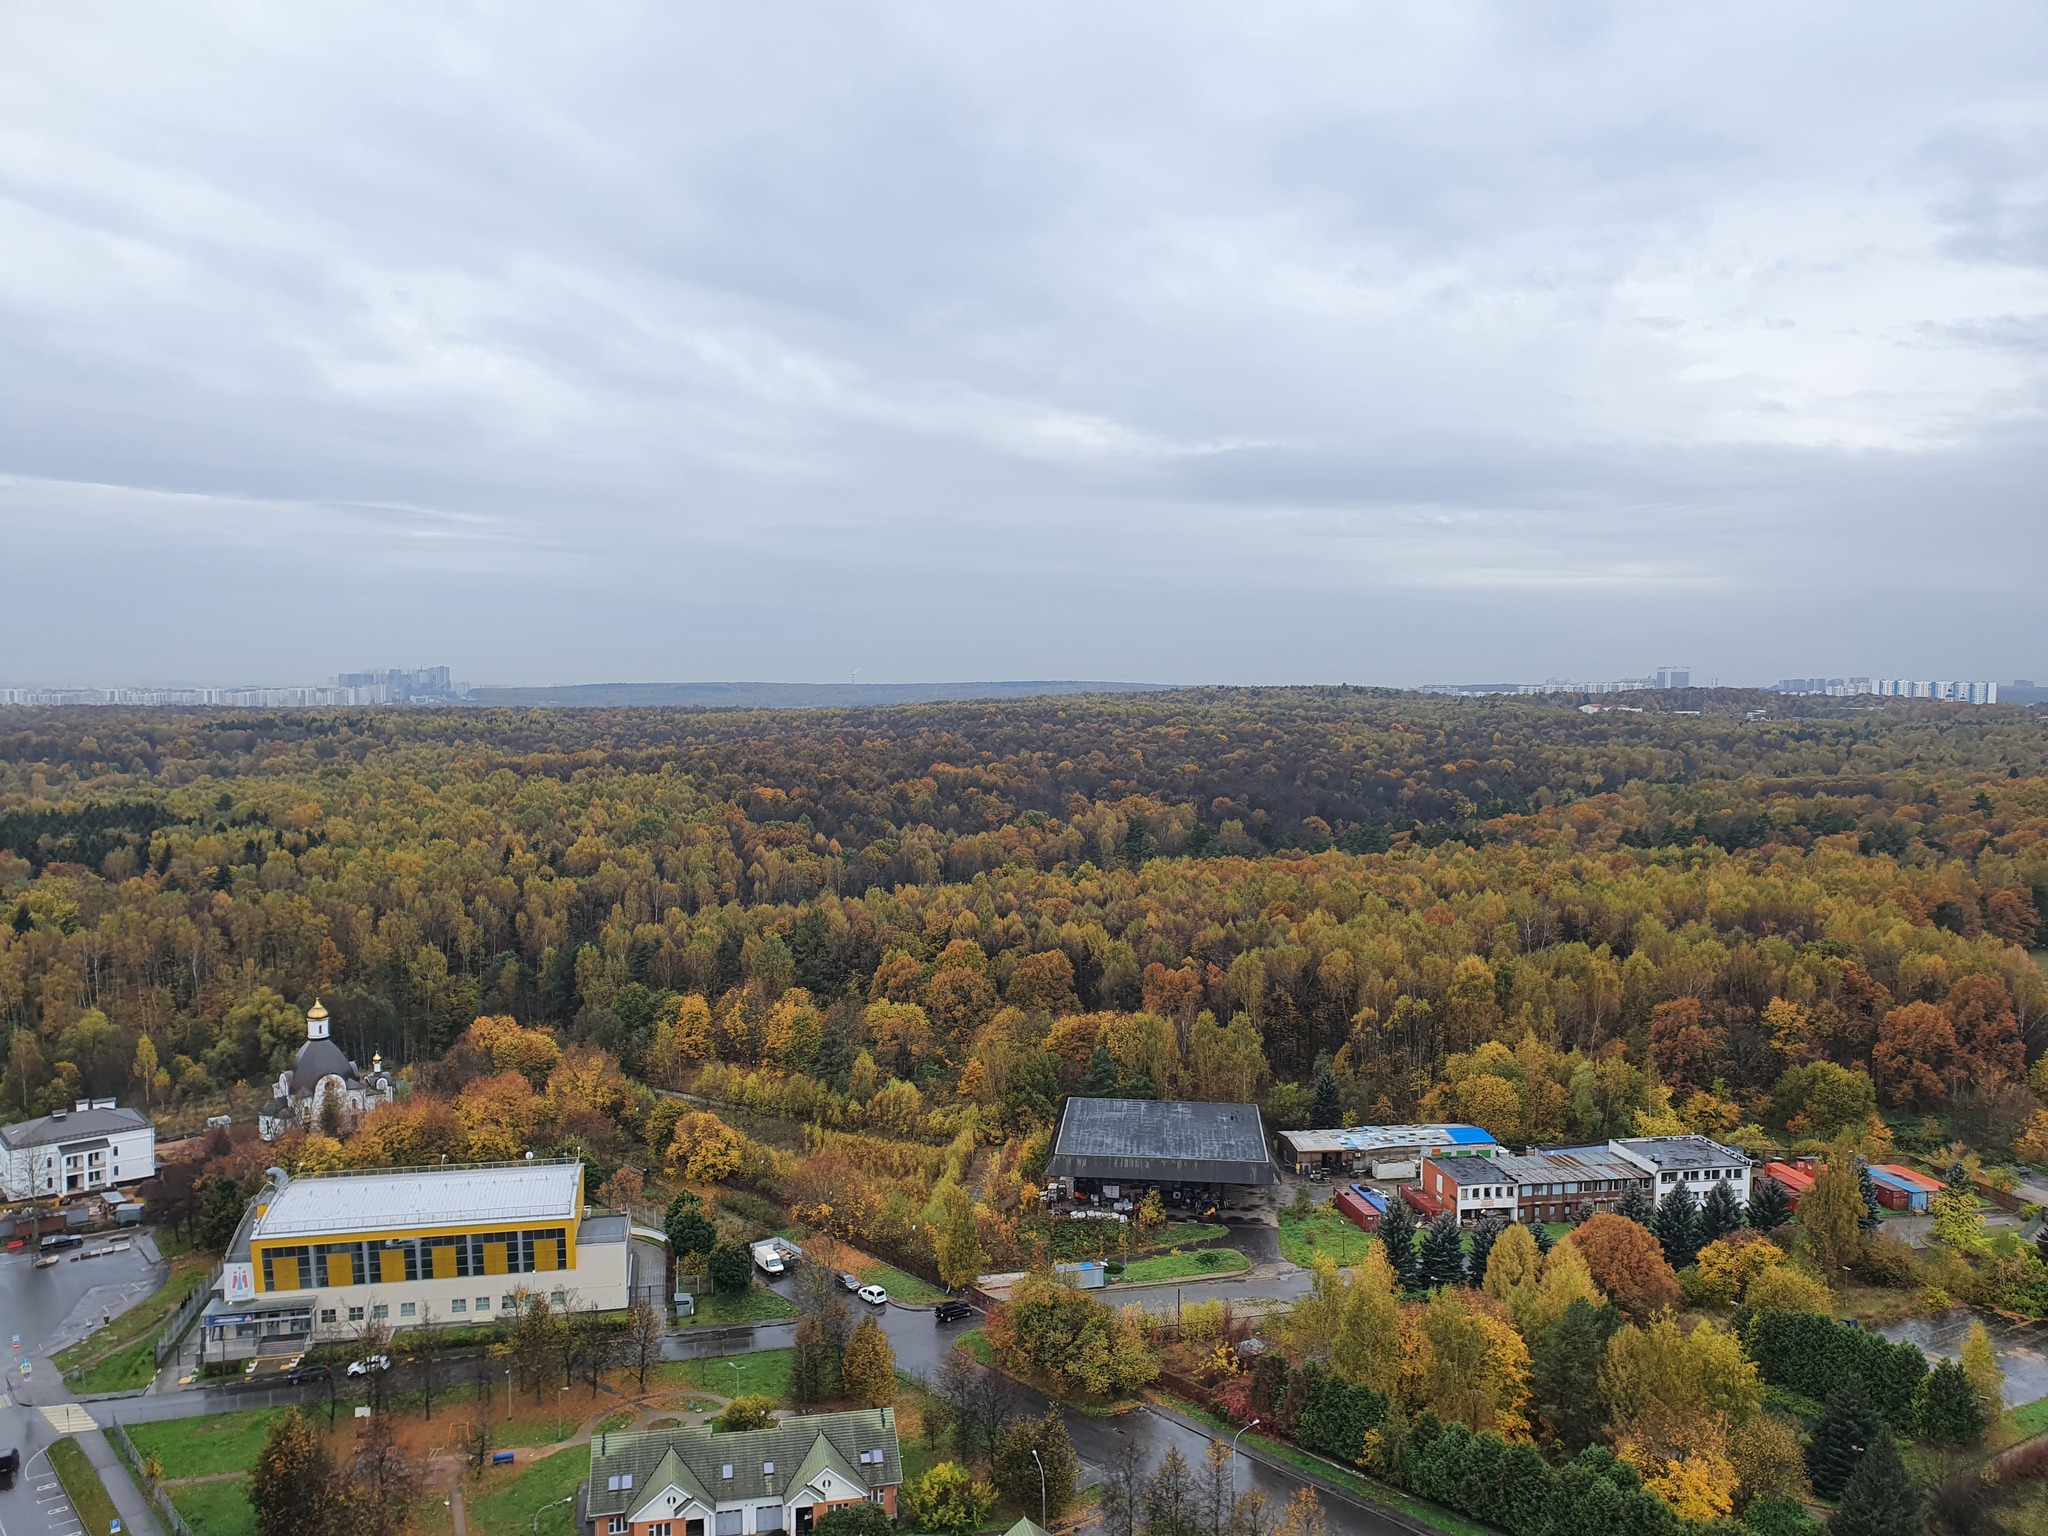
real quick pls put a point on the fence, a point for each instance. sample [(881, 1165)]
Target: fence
[(174, 1331), (157, 1498)]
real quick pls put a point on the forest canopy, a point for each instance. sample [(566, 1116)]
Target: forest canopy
[(1550, 922)]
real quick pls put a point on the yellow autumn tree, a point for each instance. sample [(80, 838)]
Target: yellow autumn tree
[(1468, 1364), (1366, 1349)]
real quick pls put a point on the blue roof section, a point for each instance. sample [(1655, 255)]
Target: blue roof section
[(1469, 1135), (1371, 1197), (1893, 1181)]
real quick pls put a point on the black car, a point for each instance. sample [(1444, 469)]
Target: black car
[(9, 1465), (300, 1375), (57, 1244), (951, 1312)]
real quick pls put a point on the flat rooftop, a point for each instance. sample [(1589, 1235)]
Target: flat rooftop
[(1578, 1166), (1154, 1139), (398, 1200), (1683, 1152), (1387, 1138)]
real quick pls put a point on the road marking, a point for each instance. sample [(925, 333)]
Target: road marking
[(70, 1419)]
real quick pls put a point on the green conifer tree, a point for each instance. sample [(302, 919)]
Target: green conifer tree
[(1678, 1226), (1769, 1206), (1848, 1429), (1483, 1238), (1328, 1112), (1397, 1231), (1945, 1406), (1720, 1213), (1100, 1081), (1443, 1252), (1878, 1499), (1636, 1206)]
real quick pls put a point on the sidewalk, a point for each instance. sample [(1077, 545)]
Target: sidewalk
[(136, 1515)]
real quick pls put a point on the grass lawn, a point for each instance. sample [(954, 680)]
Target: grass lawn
[(509, 1507), (975, 1342), (222, 1442), (215, 1509), (753, 1305), (1323, 1230), (82, 1482), (763, 1373), (1365, 1488), (1180, 1234), (1201, 1264), (900, 1286), (121, 1355)]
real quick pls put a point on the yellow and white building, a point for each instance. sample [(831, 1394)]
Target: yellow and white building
[(322, 1256)]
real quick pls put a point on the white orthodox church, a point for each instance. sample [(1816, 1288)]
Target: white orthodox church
[(318, 1076)]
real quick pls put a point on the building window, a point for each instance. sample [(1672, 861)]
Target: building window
[(379, 1312), (355, 1314), (508, 1303), (617, 1525), (659, 1528), (483, 1303), (459, 1304), (408, 1309), (326, 1315), (558, 1298)]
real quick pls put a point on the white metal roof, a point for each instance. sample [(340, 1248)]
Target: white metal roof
[(443, 1198), (1384, 1138)]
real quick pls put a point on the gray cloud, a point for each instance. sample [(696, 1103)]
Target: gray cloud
[(1174, 342)]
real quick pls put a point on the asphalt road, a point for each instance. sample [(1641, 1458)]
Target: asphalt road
[(34, 1509)]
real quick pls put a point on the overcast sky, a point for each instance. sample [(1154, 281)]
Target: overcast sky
[(1175, 342)]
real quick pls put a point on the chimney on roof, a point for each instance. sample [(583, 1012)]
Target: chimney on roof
[(82, 1105)]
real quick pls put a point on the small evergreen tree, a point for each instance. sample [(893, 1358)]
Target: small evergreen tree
[(1720, 1213), (1540, 1231), (1958, 1178), (1678, 1226), (1769, 1206), (811, 1371), (1483, 1238), (1846, 1431), (1328, 1112), (1866, 1186), (1100, 1080), (1945, 1406), (1016, 1474), (731, 1266), (1878, 1500), (1443, 1252), (1397, 1232), (1636, 1206)]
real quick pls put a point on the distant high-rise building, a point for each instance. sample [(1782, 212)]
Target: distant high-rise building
[(1674, 677)]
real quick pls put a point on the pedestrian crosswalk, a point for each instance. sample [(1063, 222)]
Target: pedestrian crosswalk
[(69, 1419)]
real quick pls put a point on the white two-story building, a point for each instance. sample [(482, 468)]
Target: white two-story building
[(85, 1150)]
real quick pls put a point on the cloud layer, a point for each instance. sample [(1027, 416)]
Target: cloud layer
[(1157, 341)]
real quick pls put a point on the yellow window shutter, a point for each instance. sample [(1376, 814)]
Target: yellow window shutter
[(444, 1262), (494, 1258), (392, 1263)]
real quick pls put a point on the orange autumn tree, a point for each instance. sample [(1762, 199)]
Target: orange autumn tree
[(1626, 1262)]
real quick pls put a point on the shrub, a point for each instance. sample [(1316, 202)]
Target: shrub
[(1781, 1517), (948, 1499), (1783, 1288), (1332, 1416), (747, 1412)]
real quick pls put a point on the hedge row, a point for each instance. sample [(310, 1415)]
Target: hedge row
[(1815, 1355)]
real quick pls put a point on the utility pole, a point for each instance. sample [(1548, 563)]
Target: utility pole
[(1042, 1522)]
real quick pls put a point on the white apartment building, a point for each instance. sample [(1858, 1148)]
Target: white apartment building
[(90, 1147)]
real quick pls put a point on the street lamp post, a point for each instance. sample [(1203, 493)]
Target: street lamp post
[(534, 1526), (1041, 1488), (1233, 1455)]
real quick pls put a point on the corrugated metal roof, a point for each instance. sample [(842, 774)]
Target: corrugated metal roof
[(1543, 1168), (1387, 1138), (1154, 1139), (1909, 1176), (451, 1197)]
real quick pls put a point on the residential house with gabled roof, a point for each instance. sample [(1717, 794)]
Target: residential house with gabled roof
[(698, 1482)]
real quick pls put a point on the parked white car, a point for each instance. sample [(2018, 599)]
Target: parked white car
[(874, 1295), (372, 1363)]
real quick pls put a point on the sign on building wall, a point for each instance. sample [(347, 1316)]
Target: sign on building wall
[(238, 1282)]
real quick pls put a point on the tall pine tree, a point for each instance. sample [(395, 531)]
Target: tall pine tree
[(1443, 1252), (1100, 1081), (1483, 1238), (1564, 1374), (1846, 1431), (1769, 1206), (1678, 1227), (1720, 1213), (1328, 1112), (1878, 1499), (1635, 1205), (1397, 1231)]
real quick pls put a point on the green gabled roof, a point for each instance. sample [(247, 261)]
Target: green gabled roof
[(1026, 1527), (669, 1471), (825, 1457), (703, 1455)]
